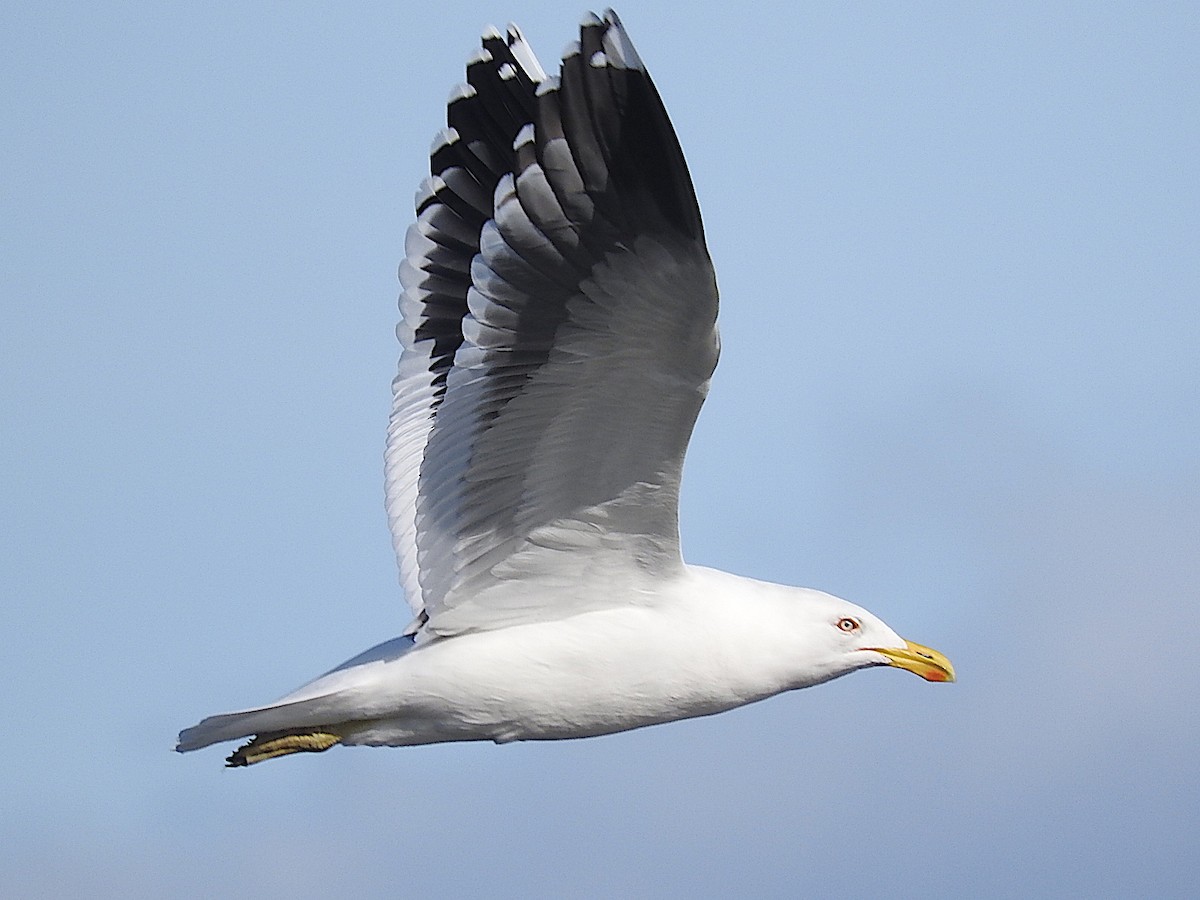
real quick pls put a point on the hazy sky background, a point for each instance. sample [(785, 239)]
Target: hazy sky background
[(959, 253)]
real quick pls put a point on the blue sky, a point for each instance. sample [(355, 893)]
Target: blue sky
[(957, 249)]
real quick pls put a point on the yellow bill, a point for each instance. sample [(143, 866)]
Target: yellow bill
[(920, 660)]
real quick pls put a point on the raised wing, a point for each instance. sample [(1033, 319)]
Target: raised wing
[(558, 334)]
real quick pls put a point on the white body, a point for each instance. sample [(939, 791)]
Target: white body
[(707, 642)]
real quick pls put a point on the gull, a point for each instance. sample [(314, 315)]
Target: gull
[(558, 335)]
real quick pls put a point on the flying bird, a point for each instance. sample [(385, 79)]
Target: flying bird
[(558, 335)]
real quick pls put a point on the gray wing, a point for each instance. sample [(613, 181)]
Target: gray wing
[(558, 334)]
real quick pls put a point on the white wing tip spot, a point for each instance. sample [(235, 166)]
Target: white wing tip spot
[(524, 136), (444, 138), (461, 91)]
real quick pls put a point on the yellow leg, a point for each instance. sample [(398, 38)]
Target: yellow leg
[(269, 746)]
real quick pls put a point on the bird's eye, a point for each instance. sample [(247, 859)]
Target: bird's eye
[(849, 625)]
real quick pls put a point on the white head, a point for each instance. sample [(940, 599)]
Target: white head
[(834, 637)]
